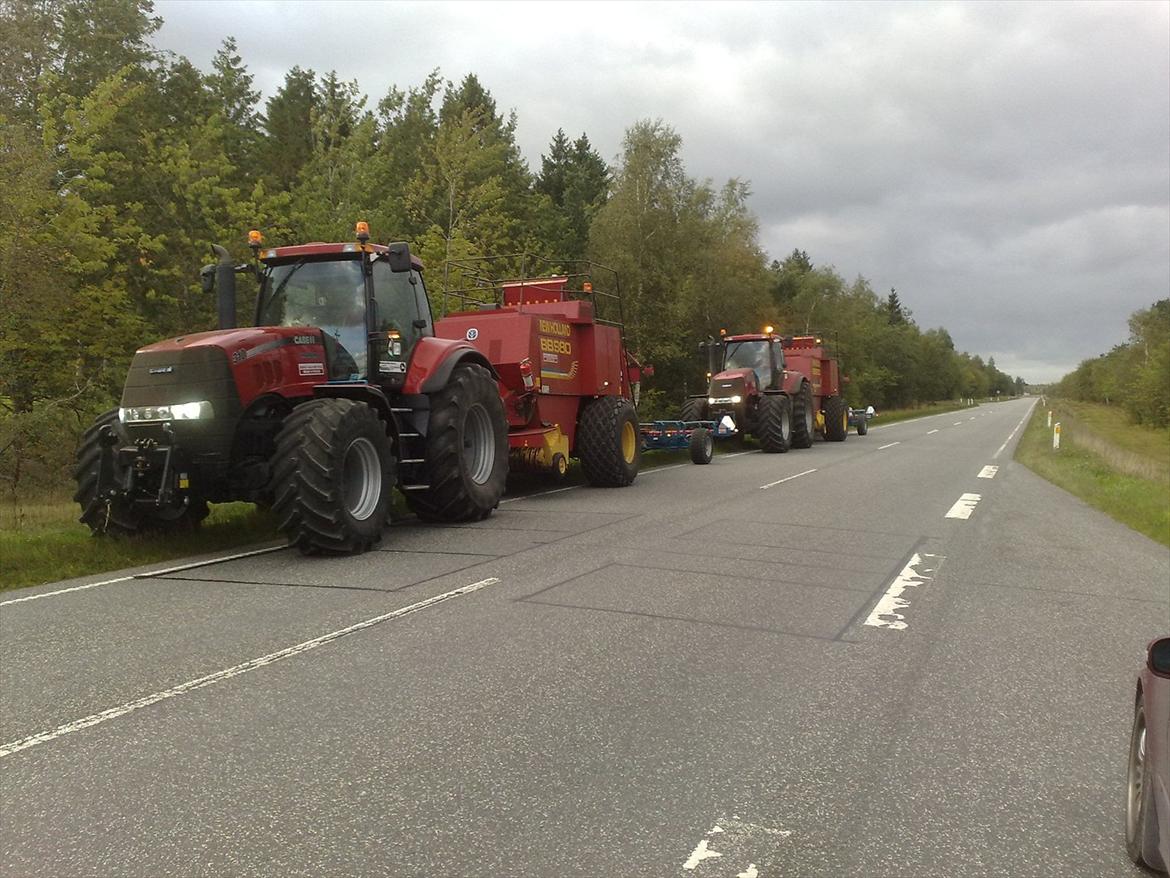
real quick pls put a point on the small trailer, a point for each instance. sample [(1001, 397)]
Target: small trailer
[(696, 436), (860, 418)]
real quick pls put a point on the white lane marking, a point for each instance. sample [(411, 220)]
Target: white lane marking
[(964, 506), (658, 469), (890, 445), (988, 472), (957, 424), (148, 575), (739, 453), (919, 570), (234, 671), (1013, 432), (786, 479), (971, 418), (750, 872), (699, 854), (928, 432), (541, 494)]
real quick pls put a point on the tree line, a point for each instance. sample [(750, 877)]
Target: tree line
[(1134, 375), (121, 164)]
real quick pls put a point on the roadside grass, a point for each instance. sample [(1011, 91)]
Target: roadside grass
[(1104, 469), (43, 541)]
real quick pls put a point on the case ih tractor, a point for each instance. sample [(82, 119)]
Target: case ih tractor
[(565, 375), (783, 391), (341, 390)]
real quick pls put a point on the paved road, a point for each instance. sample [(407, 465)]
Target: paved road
[(791, 665)]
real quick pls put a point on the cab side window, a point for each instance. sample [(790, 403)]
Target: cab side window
[(398, 304)]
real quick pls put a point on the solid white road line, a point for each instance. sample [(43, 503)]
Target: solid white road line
[(919, 570), (786, 479), (235, 671), (540, 494), (148, 575), (988, 472), (964, 506), (890, 445), (1013, 432), (658, 469)]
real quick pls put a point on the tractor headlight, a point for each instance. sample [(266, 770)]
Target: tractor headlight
[(736, 399), (710, 400), (183, 411)]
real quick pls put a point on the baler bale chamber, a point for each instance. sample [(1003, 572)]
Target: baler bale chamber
[(554, 333)]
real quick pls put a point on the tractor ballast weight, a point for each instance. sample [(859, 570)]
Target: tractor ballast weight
[(340, 391), (556, 342)]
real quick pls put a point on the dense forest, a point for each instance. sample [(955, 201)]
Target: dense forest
[(1134, 375), (120, 165)]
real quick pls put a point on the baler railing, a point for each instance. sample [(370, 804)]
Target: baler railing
[(480, 283)]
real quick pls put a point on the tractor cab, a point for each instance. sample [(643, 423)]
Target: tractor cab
[(369, 303), (763, 355)]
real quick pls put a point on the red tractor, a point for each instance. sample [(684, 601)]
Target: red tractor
[(783, 391), (557, 344), (341, 390)]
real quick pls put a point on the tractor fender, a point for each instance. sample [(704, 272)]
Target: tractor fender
[(793, 382), (362, 392), (434, 359)]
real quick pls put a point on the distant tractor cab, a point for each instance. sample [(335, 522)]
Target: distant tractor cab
[(781, 390), (339, 392)]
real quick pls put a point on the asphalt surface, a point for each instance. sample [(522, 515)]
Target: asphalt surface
[(696, 675)]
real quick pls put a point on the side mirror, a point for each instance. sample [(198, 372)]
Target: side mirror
[(207, 279), (1159, 657), (419, 323), (398, 255)]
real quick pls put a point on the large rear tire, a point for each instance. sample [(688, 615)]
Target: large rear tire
[(775, 430), (694, 408), (466, 449), (332, 475), (804, 423), (118, 515), (607, 442), (836, 419)]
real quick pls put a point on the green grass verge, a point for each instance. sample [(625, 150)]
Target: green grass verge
[(1140, 503), (49, 544)]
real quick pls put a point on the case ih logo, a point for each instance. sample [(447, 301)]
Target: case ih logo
[(162, 370)]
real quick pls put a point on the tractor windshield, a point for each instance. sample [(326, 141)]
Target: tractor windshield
[(330, 295), (750, 355)]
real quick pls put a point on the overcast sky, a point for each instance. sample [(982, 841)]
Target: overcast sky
[(1005, 166)]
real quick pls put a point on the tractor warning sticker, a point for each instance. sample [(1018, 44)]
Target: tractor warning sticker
[(557, 373), (311, 368)]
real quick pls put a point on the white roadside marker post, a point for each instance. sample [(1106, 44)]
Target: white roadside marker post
[(1056, 437), (1050, 418)]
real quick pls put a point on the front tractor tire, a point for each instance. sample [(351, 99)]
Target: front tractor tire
[(775, 419), (694, 408), (836, 419), (332, 475), (804, 423), (118, 515), (608, 443), (466, 449)]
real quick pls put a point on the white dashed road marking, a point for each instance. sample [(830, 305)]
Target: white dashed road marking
[(699, 854), (890, 445), (786, 479), (919, 570), (957, 424), (964, 506), (235, 671), (988, 472), (928, 432)]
